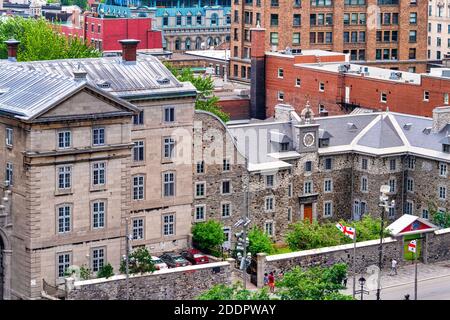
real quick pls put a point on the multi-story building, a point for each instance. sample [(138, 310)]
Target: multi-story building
[(186, 24), (89, 145), (388, 33), (438, 29)]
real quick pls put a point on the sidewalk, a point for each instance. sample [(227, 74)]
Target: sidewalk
[(405, 276)]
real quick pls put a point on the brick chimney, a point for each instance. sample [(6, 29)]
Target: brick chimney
[(129, 47), (258, 74), (441, 117), (12, 45)]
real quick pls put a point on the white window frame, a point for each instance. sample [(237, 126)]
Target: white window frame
[(443, 169), (139, 150), (280, 73), (138, 187), (138, 228), (98, 214), (229, 187), (426, 96), (64, 172), (442, 193), (364, 184), (99, 134), (280, 95), (169, 114), (98, 173), (169, 226), (329, 182), (226, 165), (63, 134), (327, 206), (269, 204), (427, 213), (168, 147), (9, 133), (269, 181), (98, 260), (308, 187), (383, 97), (169, 179), (64, 218), (410, 185), (200, 206), (197, 185), (269, 228), (298, 82), (409, 204), (227, 206)]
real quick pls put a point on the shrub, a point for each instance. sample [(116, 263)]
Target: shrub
[(105, 271), (208, 235), (234, 292), (140, 261), (85, 273), (259, 242)]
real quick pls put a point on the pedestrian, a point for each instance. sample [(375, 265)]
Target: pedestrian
[(345, 281), (266, 279), (271, 282), (407, 296), (393, 267)]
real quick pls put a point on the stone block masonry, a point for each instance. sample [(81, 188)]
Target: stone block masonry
[(185, 283)]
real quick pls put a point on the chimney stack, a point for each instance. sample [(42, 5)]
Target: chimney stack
[(12, 45), (441, 117), (129, 47), (258, 74)]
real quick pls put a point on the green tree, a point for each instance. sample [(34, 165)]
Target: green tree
[(140, 261), (105, 271), (438, 217), (315, 283), (208, 235), (259, 241), (206, 100), (234, 292), (40, 40)]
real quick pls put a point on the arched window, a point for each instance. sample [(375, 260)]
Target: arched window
[(198, 43), (187, 44), (209, 42), (178, 44), (214, 19), (217, 41)]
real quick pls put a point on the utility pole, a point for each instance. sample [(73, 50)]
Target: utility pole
[(127, 258), (415, 274), (354, 264)]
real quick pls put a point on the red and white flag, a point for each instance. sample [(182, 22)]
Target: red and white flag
[(412, 246), (348, 231)]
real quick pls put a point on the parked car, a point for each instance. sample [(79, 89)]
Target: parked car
[(159, 264), (195, 257), (174, 260)]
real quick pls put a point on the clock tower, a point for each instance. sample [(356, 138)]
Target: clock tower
[(306, 132)]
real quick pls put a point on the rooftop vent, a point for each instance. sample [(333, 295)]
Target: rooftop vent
[(427, 130), (163, 80), (407, 126), (344, 68), (103, 84), (351, 126), (395, 76)]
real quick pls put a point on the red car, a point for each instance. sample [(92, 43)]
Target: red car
[(195, 256)]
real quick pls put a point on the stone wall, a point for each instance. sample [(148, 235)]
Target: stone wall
[(438, 246), (171, 284)]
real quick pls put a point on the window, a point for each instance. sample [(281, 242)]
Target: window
[(364, 163), (200, 189), (226, 165), (410, 185), (9, 137), (169, 184), (169, 114), (226, 210), (280, 95), (201, 166), (284, 146), (189, 20), (391, 213), (274, 38), (98, 214), (289, 214), (274, 19), (327, 209), (98, 259), (199, 213), (426, 96), (138, 229), (411, 163), (290, 190), (98, 136), (446, 97), (138, 150), (165, 21), (308, 166), (139, 118), (169, 146), (98, 173), (409, 207), (226, 187), (138, 187), (383, 97), (64, 177), (298, 82), (169, 225), (413, 18), (64, 219), (412, 36), (307, 187), (268, 228), (412, 53), (442, 193), (364, 184), (425, 214), (297, 20), (328, 164), (443, 169), (392, 185), (63, 263), (64, 139), (328, 185), (392, 164), (269, 204), (269, 181), (296, 38), (321, 86), (280, 73)]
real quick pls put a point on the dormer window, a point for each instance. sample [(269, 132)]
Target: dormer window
[(284, 146), (446, 148), (324, 142)]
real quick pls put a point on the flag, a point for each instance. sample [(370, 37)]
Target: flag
[(348, 231), (412, 246)]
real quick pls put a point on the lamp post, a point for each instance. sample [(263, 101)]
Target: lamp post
[(385, 205), (362, 282), (128, 237)]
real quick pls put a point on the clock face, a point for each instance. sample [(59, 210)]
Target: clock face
[(308, 139)]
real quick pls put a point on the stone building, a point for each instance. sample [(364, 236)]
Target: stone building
[(387, 33), (331, 168), (91, 144)]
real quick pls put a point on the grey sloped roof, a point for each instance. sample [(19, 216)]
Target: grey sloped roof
[(124, 79), (26, 93), (381, 135)]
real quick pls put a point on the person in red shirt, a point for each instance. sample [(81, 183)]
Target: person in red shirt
[(271, 282)]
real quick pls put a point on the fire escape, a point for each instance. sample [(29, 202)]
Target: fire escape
[(346, 104)]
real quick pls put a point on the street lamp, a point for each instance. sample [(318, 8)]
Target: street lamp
[(362, 282), (385, 206)]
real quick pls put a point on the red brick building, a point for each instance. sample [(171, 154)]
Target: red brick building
[(104, 33), (334, 86), (386, 33)]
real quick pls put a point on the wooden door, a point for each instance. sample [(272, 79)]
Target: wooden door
[(307, 212)]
